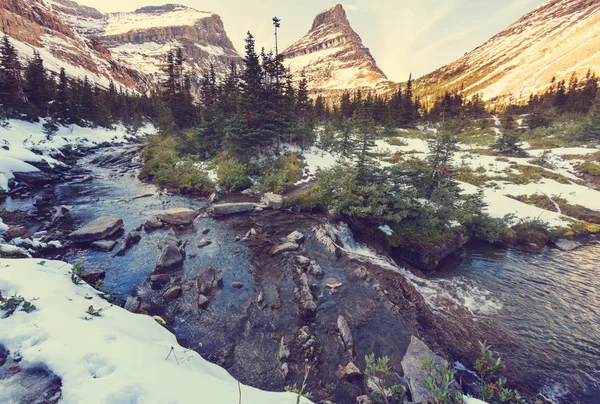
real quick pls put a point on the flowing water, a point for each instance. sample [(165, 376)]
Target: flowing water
[(546, 305)]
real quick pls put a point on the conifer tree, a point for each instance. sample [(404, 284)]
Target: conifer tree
[(11, 86)]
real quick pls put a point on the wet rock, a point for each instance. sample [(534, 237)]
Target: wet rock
[(284, 351), (412, 364), (177, 216), (306, 304), (99, 229), (430, 258), (58, 213), (566, 245), (285, 370), (302, 261), (214, 197), (237, 285), (209, 281), (205, 230), (203, 243), (323, 237), (171, 255), (104, 245), (86, 178), (251, 233), (128, 242), (316, 270), (346, 335), (16, 232), (91, 277), (36, 177), (233, 208), (260, 298), (295, 237), (203, 301), (172, 293), (350, 372), (333, 285), (272, 200), (284, 248), (133, 304), (152, 224), (159, 281)]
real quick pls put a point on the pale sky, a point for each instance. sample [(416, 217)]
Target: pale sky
[(404, 36)]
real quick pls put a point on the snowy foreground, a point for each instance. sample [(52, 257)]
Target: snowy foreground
[(22, 143), (118, 357)]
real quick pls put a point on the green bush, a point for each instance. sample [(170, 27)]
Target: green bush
[(233, 176), (184, 176), (589, 168), (282, 174)]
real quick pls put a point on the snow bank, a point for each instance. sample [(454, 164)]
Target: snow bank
[(118, 357), (26, 143)]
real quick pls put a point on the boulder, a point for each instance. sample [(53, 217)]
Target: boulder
[(316, 270), (173, 293), (350, 372), (203, 243), (233, 208), (129, 240), (285, 247), (566, 245), (133, 304), (16, 232), (99, 229), (159, 281), (203, 301), (35, 177), (104, 245), (284, 351), (323, 237), (210, 280), (177, 216), (302, 261), (345, 335), (332, 284), (152, 223), (57, 213), (237, 285), (272, 200), (295, 237), (206, 230), (306, 303), (91, 277), (171, 255), (412, 364)]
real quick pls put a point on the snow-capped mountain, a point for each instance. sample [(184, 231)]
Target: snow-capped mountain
[(558, 38), (333, 56), (36, 25)]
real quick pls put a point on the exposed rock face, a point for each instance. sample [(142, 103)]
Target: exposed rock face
[(556, 39), (333, 56), (99, 229)]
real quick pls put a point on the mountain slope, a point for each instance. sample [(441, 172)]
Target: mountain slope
[(333, 56), (558, 38), (36, 25)]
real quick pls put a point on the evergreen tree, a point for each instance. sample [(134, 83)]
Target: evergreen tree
[(11, 88), (37, 86)]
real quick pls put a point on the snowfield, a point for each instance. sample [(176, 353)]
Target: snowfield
[(23, 142), (117, 357)]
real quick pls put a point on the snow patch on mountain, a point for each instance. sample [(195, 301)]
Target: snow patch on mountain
[(151, 17)]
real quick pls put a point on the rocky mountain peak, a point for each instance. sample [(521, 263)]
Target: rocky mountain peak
[(333, 15), (332, 55), (166, 8)]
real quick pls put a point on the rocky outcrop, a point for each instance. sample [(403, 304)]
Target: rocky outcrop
[(428, 257), (332, 55), (307, 306), (272, 200), (92, 277), (99, 229), (412, 364), (346, 336)]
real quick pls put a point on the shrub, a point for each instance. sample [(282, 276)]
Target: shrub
[(439, 381), (184, 176), (589, 168), (283, 174), (380, 374), (233, 176), (493, 387), (10, 304)]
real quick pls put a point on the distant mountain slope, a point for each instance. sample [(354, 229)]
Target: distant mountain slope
[(333, 56), (558, 38)]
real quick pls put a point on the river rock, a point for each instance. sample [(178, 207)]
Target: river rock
[(57, 213), (152, 223), (172, 293), (333, 285), (302, 261), (316, 270), (92, 277), (295, 237), (171, 255), (272, 200), (159, 281), (104, 245), (129, 240), (566, 245), (346, 335), (323, 237), (349, 372), (237, 285), (133, 304), (99, 229), (210, 280), (203, 243), (233, 208), (206, 230), (412, 364), (35, 177), (284, 248), (16, 232), (306, 303), (203, 301), (177, 216)]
